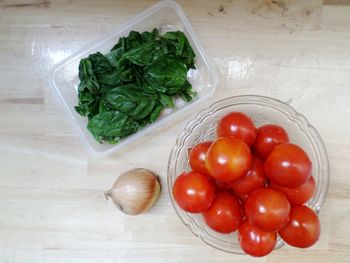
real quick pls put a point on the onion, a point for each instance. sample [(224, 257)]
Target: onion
[(135, 191)]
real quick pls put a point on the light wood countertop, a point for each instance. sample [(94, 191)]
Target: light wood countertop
[(52, 207)]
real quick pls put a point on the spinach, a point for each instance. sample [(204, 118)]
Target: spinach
[(122, 91), (111, 126), (130, 100), (182, 48), (142, 55), (171, 74), (87, 77)]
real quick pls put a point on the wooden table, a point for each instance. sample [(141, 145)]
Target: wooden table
[(52, 207)]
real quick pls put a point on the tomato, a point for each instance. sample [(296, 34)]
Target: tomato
[(228, 158), (253, 179), (268, 136), (193, 192), (255, 242), (197, 157), (303, 228), (225, 214), (298, 195), (267, 209), (288, 165), (239, 125), (241, 197), (223, 186)]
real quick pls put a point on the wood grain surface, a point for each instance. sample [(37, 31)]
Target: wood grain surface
[(52, 207)]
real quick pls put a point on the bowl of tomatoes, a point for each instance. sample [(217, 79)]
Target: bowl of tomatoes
[(249, 174)]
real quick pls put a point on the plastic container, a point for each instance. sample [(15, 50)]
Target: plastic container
[(167, 16), (262, 110)]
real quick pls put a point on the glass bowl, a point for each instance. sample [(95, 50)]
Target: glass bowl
[(262, 110)]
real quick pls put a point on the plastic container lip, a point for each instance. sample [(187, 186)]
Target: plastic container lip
[(118, 32)]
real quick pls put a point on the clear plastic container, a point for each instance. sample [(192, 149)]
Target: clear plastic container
[(262, 110), (167, 16)]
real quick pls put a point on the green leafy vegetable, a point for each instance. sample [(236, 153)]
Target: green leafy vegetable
[(130, 100), (111, 126), (124, 90), (171, 74)]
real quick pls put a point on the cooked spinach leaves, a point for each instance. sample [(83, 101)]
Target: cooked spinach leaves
[(124, 90)]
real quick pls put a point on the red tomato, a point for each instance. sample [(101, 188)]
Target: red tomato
[(298, 195), (267, 209), (253, 179), (303, 228), (193, 192), (222, 186), (241, 197), (288, 165), (228, 158), (254, 241), (268, 136), (197, 157), (225, 214), (239, 125)]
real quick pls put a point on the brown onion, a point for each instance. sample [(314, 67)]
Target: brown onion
[(135, 191)]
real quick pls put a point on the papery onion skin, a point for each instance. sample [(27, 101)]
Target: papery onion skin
[(135, 191)]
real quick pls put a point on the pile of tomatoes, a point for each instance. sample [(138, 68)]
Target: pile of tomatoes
[(252, 180)]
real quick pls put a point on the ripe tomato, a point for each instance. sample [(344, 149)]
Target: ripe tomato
[(225, 214), (197, 157), (268, 136), (228, 158), (239, 125), (193, 192), (241, 197), (298, 195), (267, 209), (253, 179), (255, 242), (303, 228), (222, 186), (288, 165)]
